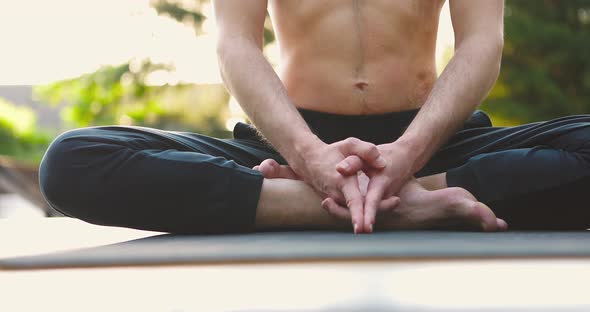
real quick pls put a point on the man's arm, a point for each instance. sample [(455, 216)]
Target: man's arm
[(252, 80), (466, 80)]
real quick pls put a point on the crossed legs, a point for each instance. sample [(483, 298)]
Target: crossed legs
[(533, 176), (289, 203)]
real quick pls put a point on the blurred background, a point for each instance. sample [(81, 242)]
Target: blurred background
[(76, 63)]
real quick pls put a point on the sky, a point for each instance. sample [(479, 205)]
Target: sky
[(43, 41)]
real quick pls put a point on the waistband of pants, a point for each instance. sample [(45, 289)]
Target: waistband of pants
[(375, 128)]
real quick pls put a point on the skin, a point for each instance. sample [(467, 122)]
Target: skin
[(359, 54), (448, 208)]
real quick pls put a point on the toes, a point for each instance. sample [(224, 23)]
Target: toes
[(389, 204), (502, 225), (270, 169), (336, 210), (487, 218)]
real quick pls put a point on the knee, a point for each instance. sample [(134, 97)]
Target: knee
[(576, 139), (55, 171), (577, 143)]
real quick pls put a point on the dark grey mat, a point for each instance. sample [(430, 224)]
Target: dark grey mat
[(294, 246)]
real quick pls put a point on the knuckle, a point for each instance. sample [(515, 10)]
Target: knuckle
[(351, 140), (335, 195), (373, 149), (352, 201), (268, 162), (355, 159), (339, 182)]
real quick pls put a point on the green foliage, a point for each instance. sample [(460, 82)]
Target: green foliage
[(181, 12), (120, 95), (19, 136), (546, 64), (189, 12), (97, 98)]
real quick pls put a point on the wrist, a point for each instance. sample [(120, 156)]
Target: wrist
[(412, 151), (301, 147)]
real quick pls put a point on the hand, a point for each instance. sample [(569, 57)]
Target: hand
[(270, 169), (317, 167), (384, 183)]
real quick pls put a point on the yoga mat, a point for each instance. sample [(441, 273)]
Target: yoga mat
[(301, 246)]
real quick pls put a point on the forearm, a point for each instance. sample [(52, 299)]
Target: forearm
[(464, 83), (253, 82)]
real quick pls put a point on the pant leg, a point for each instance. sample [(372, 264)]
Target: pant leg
[(154, 180), (535, 176)]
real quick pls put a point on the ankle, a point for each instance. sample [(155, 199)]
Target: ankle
[(292, 204), (434, 182)]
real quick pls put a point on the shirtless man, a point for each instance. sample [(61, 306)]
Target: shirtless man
[(353, 115), (357, 58)]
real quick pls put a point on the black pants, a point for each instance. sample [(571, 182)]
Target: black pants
[(535, 176)]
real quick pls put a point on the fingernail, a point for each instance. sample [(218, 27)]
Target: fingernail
[(356, 227), (370, 228), (381, 161), (344, 165)]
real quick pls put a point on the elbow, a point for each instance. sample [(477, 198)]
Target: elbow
[(223, 51), (493, 45), (488, 47), (496, 56), (498, 48), (486, 50), (234, 50), (226, 46)]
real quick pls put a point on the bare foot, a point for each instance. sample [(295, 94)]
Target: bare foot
[(449, 208)]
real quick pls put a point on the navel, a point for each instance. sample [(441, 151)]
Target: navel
[(361, 85)]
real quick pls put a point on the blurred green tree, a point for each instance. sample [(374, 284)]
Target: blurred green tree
[(19, 136), (546, 64), (189, 12), (121, 95), (96, 98)]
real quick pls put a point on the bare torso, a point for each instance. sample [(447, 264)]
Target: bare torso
[(357, 57)]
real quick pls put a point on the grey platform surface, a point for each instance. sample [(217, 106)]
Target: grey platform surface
[(302, 246)]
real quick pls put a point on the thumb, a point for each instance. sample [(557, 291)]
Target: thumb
[(350, 165), (366, 151)]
